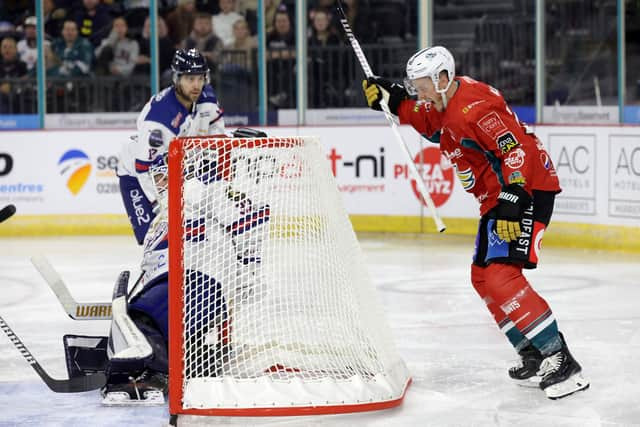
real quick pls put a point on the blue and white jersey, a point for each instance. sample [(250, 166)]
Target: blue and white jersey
[(162, 119), (155, 260)]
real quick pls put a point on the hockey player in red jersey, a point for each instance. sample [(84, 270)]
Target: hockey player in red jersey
[(506, 168)]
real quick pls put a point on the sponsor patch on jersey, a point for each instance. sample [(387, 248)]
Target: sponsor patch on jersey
[(515, 159), (467, 108), (507, 142), (466, 177), (176, 120), (155, 138), (546, 161), (492, 125), (516, 178), (455, 154)]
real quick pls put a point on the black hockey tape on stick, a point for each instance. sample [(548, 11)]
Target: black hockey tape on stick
[(422, 188), (7, 212), (71, 385)]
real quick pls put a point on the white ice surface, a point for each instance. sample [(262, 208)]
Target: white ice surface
[(457, 356)]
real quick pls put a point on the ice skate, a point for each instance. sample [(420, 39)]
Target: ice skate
[(146, 390), (561, 374), (525, 373)]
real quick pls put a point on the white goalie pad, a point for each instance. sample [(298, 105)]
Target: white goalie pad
[(126, 341)]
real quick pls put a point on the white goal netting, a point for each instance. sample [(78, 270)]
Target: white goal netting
[(276, 308)]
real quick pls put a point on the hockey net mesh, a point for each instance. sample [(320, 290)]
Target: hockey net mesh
[(274, 293)]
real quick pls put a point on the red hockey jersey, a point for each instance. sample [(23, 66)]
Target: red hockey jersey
[(484, 141)]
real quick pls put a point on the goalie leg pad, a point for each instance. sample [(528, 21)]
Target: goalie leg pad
[(153, 301), (128, 349)]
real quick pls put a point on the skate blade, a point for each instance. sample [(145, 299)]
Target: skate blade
[(574, 383), (532, 382), (120, 398)]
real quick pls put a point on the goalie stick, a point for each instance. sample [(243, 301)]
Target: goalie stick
[(71, 385), (394, 127), (74, 309), (7, 212)]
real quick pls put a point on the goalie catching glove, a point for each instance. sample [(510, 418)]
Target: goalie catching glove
[(376, 88), (513, 200)]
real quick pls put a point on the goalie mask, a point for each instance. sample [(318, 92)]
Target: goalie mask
[(159, 171), (430, 62)]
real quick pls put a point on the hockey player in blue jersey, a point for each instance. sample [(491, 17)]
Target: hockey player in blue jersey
[(188, 108)]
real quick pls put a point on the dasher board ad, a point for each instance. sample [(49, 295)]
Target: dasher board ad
[(58, 172)]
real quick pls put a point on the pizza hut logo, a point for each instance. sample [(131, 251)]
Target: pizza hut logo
[(515, 159), (492, 125)]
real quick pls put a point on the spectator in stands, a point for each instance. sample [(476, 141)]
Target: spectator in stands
[(323, 61), (117, 54), (11, 67), (54, 17), (165, 49), (180, 21), (238, 56), (73, 53), (27, 46), (281, 40), (93, 21), (323, 33), (223, 21), (205, 40), (243, 41), (281, 60), (249, 9)]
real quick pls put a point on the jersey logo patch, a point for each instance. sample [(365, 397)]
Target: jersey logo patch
[(516, 178), (176, 120), (466, 177), (515, 159), (492, 125), (466, 109), (507, 142)]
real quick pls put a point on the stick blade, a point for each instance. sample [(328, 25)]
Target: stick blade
[(7, 212)]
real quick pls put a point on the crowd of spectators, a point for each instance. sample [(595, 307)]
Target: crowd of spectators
[(86, 38)]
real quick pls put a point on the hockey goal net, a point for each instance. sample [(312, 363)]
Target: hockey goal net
[(272, 311)]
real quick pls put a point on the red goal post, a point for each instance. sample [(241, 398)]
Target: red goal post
[(271, 308)]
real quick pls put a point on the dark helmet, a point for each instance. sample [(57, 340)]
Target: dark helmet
[(189, 62)]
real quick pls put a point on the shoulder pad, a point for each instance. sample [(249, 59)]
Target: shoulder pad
[(207, 95), (166, 110)]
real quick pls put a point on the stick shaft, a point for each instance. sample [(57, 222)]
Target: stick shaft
[(71, 385), (422, 188)]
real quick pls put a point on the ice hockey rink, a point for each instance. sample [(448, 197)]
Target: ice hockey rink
[(457, 357)]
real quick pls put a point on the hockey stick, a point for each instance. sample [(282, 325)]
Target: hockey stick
[(71, 385), (7, 212), (74, 309), (394, 127)]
